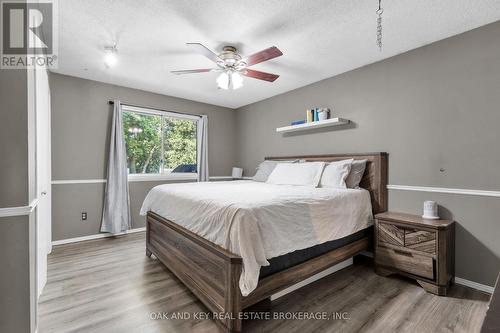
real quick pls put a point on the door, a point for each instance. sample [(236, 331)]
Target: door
[(43, 174)]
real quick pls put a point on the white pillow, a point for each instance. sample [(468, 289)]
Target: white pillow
[(335, 174), (307, 174), (265, 168)]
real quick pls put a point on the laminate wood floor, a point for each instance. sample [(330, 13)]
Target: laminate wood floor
[(109, 285)]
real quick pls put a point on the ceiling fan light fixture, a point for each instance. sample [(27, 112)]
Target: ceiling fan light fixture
[(232, 66), (236, 80), (223, 81)]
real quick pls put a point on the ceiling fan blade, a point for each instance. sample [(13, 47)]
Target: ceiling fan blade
[(201, 49), (191, 71), (260, 75), (263, 55)]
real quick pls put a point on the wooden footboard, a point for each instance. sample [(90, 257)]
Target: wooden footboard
[(209, 271), (212, 273)]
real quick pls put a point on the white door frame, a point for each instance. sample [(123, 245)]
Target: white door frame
[(43, 178), (30, 87), (39, 177)]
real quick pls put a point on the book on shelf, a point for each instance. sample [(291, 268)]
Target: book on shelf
[(298, 122), (309, 117)]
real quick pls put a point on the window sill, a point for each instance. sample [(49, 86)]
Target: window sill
[(153, 178)]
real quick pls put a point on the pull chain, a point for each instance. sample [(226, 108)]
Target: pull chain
[(379, 12)]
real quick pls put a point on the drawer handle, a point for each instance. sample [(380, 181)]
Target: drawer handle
[(404, 253)]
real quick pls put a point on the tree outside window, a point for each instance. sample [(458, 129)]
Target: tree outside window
[(159, 144)]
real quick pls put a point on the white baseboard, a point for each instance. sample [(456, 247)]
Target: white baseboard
[(474, 285), (97, 236), (313, 278)]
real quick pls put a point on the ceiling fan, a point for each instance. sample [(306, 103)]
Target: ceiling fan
[(232, 65)]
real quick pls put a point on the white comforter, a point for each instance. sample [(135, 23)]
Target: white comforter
[(259, 221)]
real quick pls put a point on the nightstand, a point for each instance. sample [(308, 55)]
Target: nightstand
[(417, 248)]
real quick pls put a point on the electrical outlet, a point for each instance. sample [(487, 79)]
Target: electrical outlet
[(84, 216)]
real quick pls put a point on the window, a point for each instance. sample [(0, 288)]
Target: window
[(159, 143)]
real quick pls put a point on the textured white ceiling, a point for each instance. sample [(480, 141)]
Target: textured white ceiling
[(319, 39)]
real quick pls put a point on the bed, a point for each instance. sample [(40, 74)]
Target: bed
[(234, 244)]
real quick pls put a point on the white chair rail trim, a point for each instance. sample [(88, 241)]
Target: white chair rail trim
[(139, 179), (78, 181), (482, 193), (19, 211)]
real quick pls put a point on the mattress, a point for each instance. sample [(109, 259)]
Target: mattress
[(294, 258), (260, 221)]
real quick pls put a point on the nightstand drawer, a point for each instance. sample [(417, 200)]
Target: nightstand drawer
[(412, 238), (420, 240), (409, 262), (391, 234)]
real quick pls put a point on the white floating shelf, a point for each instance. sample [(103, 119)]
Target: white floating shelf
[(314, 124)]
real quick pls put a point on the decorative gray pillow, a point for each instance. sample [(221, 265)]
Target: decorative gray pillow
[(265, 168), (356, 173)]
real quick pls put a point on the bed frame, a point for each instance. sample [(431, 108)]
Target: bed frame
[(212, 273)]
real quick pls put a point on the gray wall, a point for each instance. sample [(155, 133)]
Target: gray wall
[(80, 131), (13, 138), (69, 200), (14, 192), (431, 108), (14, 276)]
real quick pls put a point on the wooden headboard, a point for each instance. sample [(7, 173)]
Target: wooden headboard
[(374, 179)]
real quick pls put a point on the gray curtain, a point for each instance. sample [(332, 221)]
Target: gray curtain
[(116, 210), (202, 150)]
